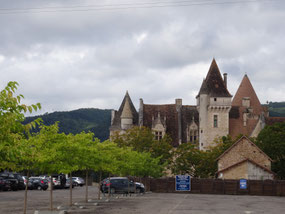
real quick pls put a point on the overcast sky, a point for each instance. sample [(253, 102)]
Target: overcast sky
[(70, 54)]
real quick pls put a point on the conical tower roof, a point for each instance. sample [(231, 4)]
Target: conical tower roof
[(246, 90), (214, 84), (127, 112)]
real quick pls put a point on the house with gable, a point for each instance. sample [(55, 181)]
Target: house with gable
[(244, 160)]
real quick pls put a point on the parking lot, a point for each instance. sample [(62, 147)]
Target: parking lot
[(149, 203)]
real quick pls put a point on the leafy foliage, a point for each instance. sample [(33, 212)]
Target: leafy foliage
[(272, 141), (12, 131), (188, 159), (142, 139), (96, 121)]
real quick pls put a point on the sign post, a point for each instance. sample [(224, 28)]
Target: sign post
[(182, 183), (243, 184)]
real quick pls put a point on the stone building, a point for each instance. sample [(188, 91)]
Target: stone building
[(214, 115), (244, 160)]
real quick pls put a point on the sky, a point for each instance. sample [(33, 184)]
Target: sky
[(71, 54)]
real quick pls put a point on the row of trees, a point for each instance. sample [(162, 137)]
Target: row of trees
[(48, 151)]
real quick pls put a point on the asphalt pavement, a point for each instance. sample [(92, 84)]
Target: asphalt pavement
[(149, 203)]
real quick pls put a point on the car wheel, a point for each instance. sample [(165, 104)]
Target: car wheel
[(39, 188), (44, 189), (112, 190), (138, 190)]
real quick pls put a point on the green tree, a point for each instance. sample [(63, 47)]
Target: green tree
[(271, 140), (142, 139), (12, 131), (190, 160)]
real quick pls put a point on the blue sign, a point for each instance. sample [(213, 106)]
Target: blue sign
[(243, 184), (182, 183)]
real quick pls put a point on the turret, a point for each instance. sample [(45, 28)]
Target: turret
[(213, 105)]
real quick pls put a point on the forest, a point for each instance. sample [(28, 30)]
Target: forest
[(94, 120)]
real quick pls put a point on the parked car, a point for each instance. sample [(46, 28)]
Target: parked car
[(38, 183), (140, 186), (121, 185), (78, 181), (10, 177), (21, 182), (67, 184), (4, 184)]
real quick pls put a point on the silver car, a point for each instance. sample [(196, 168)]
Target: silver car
[(78, 181)]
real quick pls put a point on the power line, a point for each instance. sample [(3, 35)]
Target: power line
[(122, 6)]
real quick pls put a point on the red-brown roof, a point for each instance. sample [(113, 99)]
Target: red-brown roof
[(236, 125)]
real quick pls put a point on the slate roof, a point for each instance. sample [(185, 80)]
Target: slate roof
[(187, 113), (168, 111), (214, 84), (117, 119)]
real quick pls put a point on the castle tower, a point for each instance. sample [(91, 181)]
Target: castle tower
[(125, 118), (213, 105), (247, 114)]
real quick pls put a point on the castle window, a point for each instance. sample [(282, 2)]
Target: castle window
[(215, 121), (158, 135), (193, 136)]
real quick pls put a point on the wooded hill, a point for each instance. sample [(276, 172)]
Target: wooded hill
[(276, 109), (95, 120)]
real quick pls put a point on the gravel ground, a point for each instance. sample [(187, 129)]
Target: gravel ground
[(149, 203)]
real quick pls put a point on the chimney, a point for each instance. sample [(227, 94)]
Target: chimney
[(226, 79), (178, 103)]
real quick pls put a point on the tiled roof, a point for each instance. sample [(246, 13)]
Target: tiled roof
[(214, 84), (169, 111), (240, 140), (236, 125), (188, 112), (246, 90), (171, 114)]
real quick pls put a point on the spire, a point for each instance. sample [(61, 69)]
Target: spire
[(127, 112), (246, 90), (214, 84)]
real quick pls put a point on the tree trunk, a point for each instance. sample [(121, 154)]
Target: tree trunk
[(26, 192), (109, 187), (51, 189), (99, 191), (86, 183), (70, 189)]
